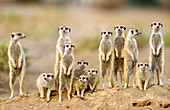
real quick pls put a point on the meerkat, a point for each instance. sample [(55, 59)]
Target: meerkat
[(80, 84), (16, 62), (93, 79), (130, 56), (106, 58), (118, 48), (63, 39), (45, 81), (66, 70), (81, 68), (143, 75), (156, 59)]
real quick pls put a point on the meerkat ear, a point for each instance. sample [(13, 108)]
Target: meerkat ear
[(52, 76), (74, 46), (87, 78), (111, 33), (87, 63), (124, 28), (101, 33), (58, 29), (96, 71), (138, 65), (69, 30), (132, 31), (151, 25), (64, 47), (115, 27), (12, 35), (161, 25)]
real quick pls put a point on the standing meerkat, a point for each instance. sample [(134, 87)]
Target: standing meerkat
[(63, 39), (93, 79), (118, 48), (45, 80), (16, 62), (66, 70), (156, 59), (106, 58), (143, 75), (80, 84), (130, 56), (81, 68)]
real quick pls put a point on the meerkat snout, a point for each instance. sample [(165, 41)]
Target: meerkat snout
[(156, 25), (83, 78)]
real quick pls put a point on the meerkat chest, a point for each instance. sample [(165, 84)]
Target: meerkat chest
[(119, 42), (67, 60), (83, 85), (105, 46), (15, 51), (133, 45), (143, 75), (47, 84), (156, 39)]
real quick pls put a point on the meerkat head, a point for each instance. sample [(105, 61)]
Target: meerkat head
[(64, 30), (17, 36), (82, 63), (156, 26), (48, 76), (143, 66), (106, 34), (119, 29), (133, 32), (69, 47), (93, 71), (83, 78)]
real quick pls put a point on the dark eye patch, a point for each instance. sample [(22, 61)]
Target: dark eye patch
[(44, 75), (147, 65), (104, 32), (48, 75), (52, 76), (117, 26), (159, 24), (154, 24), (96, 71), (92, 70), (137, 30), (141, 64), (109, 32), (72, 45), (12, 35), (67, 45), (89, 70), (121, 27), (87, 78), (66, 28), (132, 31), (83, 78), (19, 34)]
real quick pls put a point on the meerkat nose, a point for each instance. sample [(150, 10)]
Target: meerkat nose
[(64, 31), (118, 29), (157, 26), (69, 48)]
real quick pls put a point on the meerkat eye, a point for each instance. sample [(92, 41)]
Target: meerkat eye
[(72, 46), (87, 63), (121, 27), (19, 34), (61, 28), (66, 28), (137, 30), (132, 31), (159, 24), (89, 70), (84, 63), (96, 71), (141, 64), (67, 45), (12, 35), (87, 78), (104, 32), (92, 71), (109, 32), (48, 75), (44, 75), (154, 24), (52, 76), (83, 78), (117, 26)]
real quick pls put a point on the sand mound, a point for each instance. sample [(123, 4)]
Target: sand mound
[(155, 97)]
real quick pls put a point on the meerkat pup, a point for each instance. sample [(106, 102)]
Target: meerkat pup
[(81, 68), (130, 56), (118, 48), (63, 39), (106, 58), (66, 70), (16, 62), (93, 79), (45, 80), (143, 75), (80, 84), (157, 52)]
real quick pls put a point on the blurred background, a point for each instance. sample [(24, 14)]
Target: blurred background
[(39, 21)]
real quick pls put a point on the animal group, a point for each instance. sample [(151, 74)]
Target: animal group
[(117, 56)]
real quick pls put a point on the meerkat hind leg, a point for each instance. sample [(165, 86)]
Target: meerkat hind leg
[(11, 85)]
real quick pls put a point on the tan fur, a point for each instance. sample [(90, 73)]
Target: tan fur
[(45, 81), (156, 60), (80, 85), (130, 56), (81, 69), (106, 58), (143, 76), (66, 71), (16, 62), (93, 79), (118, 48), (62, 40)]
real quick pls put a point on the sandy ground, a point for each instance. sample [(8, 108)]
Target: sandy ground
[(43, 59)]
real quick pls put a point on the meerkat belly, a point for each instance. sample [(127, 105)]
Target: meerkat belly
[(120, 45), (15, 52), (106, 47), (67, 60), (156, 41), (127, 56)]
